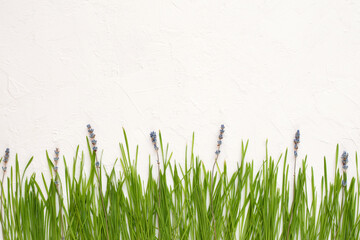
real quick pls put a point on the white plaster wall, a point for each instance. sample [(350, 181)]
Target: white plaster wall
[(263, 68)]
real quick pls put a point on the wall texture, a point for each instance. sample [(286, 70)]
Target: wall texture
[(263, 68)]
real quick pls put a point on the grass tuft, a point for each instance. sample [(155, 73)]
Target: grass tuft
[(244, 203)]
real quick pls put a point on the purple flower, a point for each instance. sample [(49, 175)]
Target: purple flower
[(219, 142), (6, 156), (344, 160), (92, 137), (296, 142), (56, 159), (153, 140)]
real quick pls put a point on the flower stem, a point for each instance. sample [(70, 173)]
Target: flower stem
[(102, 198), (293, 204)]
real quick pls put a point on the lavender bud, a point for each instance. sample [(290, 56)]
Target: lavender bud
[(345, 160), (343, 183)]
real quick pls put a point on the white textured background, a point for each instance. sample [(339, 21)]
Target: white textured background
[(263, 68)]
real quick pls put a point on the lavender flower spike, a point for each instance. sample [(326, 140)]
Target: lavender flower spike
[(153, 140), (92, 137), (6, 159), (56, 159), (296, 142), (219, 142), (344, 162), (93, 142), (6, 156)]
